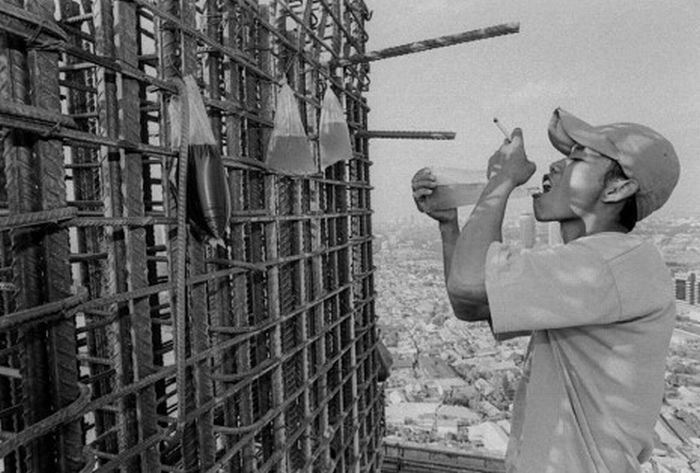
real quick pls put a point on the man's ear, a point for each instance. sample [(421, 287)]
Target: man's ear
[(619, 190)]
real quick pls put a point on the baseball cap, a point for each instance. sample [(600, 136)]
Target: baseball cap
[(644, 155)]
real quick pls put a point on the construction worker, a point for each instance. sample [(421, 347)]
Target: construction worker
[(599, 308)]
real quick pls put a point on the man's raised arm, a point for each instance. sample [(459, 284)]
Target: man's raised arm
[(466, 287)]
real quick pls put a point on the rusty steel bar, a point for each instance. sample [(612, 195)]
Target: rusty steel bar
[(425, 45), (143, 406), (407, 135)]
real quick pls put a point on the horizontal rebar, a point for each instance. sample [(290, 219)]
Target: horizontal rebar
[(39, 313), (407, 135), (47, 424), (9, 372), (37, 114), (37, 218), (27, 24), (440, 42)]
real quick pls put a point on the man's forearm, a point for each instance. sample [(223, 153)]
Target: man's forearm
[(466, 276), (449, 232)]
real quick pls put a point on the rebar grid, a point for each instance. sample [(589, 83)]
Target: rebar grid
[(260, 355)]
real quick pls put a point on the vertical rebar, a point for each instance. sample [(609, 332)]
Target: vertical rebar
[(43, 72), (241, 412), (8, 387), (311, 86), (35, 181), (187, 391), (130, 95), (111, 35), (317, 271), (354, 299), (273, 273), (218, 291), (169, 62), (23, 196)]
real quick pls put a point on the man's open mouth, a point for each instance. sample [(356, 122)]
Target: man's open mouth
[(546, 184)]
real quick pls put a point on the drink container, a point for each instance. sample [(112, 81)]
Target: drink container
[(455, 188)]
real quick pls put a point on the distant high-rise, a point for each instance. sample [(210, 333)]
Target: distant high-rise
[(554, 233), (690, 288), (527, 230)]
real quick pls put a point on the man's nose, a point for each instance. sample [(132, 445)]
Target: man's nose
[(557, 166)]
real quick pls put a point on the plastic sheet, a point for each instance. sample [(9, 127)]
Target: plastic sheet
[(289, 151), (333, 132)]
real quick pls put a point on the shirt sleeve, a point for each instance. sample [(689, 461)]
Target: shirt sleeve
[(555, 287)]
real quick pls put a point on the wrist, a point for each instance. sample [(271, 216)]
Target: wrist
[(504, 181)]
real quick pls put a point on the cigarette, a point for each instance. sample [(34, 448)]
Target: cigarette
[(532, 191), (502, 128)]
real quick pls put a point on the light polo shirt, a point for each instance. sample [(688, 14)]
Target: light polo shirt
[(601, 311)]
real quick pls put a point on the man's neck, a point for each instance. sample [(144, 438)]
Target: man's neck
[(573, 229)]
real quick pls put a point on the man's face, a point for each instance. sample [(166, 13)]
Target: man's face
[(573, 186)]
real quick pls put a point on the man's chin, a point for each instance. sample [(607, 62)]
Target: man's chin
[(540, 218), (541, 214), (537, 209)]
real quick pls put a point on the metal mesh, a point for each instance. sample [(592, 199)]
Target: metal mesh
[(259, 354)]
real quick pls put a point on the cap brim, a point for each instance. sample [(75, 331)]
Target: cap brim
[(586, 135), (557, 136)]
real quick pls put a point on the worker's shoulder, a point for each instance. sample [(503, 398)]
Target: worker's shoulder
[(615, 246)]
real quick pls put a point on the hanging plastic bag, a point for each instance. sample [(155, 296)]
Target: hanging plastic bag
[(208, 196), (289, 151), (333, 133), (385, 362)]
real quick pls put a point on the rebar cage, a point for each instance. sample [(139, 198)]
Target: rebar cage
[(127, 343)]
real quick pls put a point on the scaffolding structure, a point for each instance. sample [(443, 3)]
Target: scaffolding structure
[(127, 343)]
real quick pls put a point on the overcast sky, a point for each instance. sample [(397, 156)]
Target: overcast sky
[(627, 60)]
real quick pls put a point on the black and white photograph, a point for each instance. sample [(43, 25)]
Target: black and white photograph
[(349, 236)]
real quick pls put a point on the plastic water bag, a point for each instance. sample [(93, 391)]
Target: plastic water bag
[(289, 151), (208, 196), (208, 201), (333, 133), (455, 188)]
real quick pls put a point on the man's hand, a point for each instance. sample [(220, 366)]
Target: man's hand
[(423, 184), (510, 161)]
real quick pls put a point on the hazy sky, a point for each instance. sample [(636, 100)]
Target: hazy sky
[(604, 61)]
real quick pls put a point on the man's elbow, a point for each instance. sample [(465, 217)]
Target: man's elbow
[(470, 293), (469, 303)]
